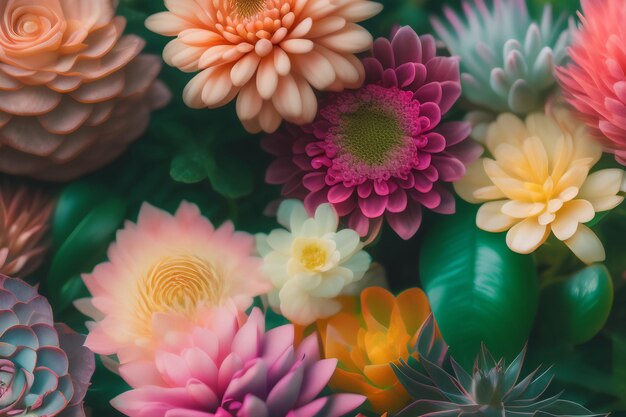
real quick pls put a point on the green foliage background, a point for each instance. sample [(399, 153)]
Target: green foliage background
[(207, 158)]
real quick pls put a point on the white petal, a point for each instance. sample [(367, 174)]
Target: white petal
[(526, 236), (262, 247), (569, 216), (358, 264), (280, 240), (291, 214), (326, 218), (491, 218), (586, 245), (347, 241), (601, 189)]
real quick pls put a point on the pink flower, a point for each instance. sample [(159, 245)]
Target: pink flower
[(381, 152), (230, 369), (270, 54), (595, 82), (74, 90), (167, 264)]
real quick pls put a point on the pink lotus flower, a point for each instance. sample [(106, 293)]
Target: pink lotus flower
[(381, 151), (595, 81), (175, 264), (270, 54), (229, 369), (74, 90)]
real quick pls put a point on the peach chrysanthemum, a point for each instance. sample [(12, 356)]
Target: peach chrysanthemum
[(537, 182), (74, 91), (178, 265), (270, 54)]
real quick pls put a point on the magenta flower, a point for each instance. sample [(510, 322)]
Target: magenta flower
[(381, 151), (226, 369)]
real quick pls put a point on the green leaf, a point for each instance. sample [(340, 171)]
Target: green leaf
[(231, 178), (85, 246), (190, 167), (576, 309), (75, 202), (479, 290)]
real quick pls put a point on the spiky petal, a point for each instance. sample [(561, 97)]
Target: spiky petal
[(229, 369), (492, 389)]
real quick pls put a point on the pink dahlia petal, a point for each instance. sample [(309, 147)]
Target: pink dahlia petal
[(594, 81), (365, 146), (277, 381)]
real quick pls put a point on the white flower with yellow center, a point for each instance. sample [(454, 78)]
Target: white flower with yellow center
[(537, 181), (310, 263)]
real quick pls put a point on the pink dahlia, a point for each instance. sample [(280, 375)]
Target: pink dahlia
[(595, 81), (228, 369), (381, 151)]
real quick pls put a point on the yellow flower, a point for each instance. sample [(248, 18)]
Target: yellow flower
[(537, 181)]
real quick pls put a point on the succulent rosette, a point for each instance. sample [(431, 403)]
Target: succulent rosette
[(230, 369), (382, 151), (595, 82), (44, 368), (507, 59), (74, 90), (25, 211), (270, 55)]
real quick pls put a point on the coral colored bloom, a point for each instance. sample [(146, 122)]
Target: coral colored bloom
[(24, 215), (228, 369), (270, 54), (175, 264), (381, 151), (507, 59), (366, 343), (44, 368), (74, 91), (537, 181), (595, 81), (311, 263)]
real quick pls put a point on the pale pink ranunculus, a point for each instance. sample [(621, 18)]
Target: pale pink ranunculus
[(176, 264), (270, 54), (74, 91)]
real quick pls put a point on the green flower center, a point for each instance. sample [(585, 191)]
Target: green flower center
[(371, 134), (248, 8)]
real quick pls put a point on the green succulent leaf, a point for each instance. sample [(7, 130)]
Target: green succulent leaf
[(576, 309), (479, 290)]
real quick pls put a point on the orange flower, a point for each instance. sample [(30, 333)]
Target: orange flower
[(366, 342)]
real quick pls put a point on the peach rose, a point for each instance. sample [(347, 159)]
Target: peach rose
[(74, 92)]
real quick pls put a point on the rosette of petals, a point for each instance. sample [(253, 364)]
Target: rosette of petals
[(44, 368), (595, 81), (176, 264), (24, 215), (381, 152), (311, 263), (507, 59), (368, 339), (228, 369), (74, 91), (537, 182), (270, 54)]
